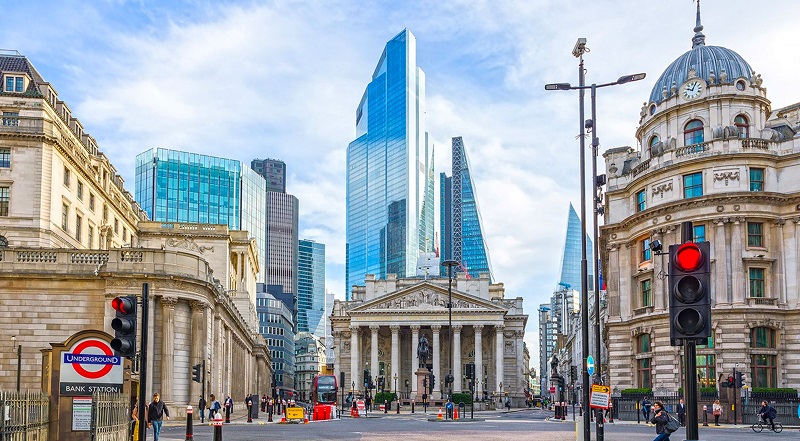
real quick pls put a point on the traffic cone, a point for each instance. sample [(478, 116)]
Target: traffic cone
[(439, 416), (305, 417), (455, 412)]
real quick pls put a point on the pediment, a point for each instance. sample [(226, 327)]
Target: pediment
[(427, 297)]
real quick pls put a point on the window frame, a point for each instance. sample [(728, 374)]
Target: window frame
[(645, 253), (757, 284), (693, 135), (646, 292), (743, 123), (695, 236), (755, 183), (67, 174), (689, 190), (641, 200), (17, 82), (755, 240), (78, 227), (5, 200), (644, 374), (65, 217)]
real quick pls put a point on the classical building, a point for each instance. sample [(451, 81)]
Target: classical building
[(73, 239), (716, 153), (310, 360), (380, 329)]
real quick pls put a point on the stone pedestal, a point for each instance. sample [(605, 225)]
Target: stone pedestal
[(421, 374)]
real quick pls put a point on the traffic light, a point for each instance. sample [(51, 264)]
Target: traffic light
[(124, 325), (196, 372), (740, 379), (689, 292), (729, 383), (433, 381)]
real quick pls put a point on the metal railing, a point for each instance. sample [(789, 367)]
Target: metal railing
[(111, 419), (693, 149), (24, 416)]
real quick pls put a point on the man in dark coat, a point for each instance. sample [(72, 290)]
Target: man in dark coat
[(681, 411)]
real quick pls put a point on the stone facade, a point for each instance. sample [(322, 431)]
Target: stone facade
[(379, 329)]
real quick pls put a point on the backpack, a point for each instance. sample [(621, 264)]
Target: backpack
[(672, 424)]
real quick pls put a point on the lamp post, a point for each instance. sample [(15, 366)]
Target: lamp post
[(578, 51), (18, 347), (543, 347), (396, 396), (450, 264)]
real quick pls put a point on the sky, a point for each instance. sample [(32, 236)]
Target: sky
[(282, 79)]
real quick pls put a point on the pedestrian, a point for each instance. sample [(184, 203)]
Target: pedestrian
[(660, 419), (768, 412), (508, 404), (368, 403), (202, 405), (646, 409), (717, 410), (134, 415), (229, 404), (213, 407), (156, 411), (263, 403), (681, 410)]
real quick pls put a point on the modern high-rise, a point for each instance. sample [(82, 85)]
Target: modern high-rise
[(460, 219), (390, 213), (281, 230), (311, 288), (276, 325), (176, 186), (571, 258)]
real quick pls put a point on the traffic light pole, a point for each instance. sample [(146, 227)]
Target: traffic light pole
[(735, 385), (690, 355), (143, 358)]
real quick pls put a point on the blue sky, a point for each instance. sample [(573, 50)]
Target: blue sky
[(282, 79)]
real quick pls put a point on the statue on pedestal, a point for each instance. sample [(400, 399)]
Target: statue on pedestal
[(423, 351)]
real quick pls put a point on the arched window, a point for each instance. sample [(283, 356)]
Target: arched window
[(742, 124), (3, 242), (653, 141), (764, 366), (693, 132)]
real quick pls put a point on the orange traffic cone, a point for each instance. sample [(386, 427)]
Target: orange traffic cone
[(439, 416), (455, 412), (305, 417)]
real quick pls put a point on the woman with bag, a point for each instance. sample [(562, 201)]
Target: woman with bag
[(717, 409), (661, 418)]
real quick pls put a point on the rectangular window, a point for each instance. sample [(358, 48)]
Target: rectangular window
[(644, 343), (706, 370), (644, 367), (124, 234), (80, 190), (78, 227), (5, 199), (756, 179), (693, 185), (14, 84), (5, 158), (11, 119), (757, 282), (64, 216), (116, 226), (91, 201), (647, 293), (699, 233), (764, 370), (755, 234), (645, 250), (66, 177), (90, 237), (105, 213), (641, 200)]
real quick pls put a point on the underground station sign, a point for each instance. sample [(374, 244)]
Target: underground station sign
[(90, 365)]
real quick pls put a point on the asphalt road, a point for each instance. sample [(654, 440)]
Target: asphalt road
[(500, 426)]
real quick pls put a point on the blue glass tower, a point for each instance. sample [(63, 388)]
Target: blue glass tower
[(571, 258), (390, 211), (175, 186), (462, 235), (311, 288)]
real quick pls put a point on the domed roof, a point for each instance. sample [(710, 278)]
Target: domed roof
[(705, 60)]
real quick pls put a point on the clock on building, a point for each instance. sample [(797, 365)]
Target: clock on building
[(692, 89)]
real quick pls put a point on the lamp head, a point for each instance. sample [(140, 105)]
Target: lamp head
[(557, 86), (630, 78)]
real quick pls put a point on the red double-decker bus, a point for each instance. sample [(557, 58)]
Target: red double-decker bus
[(324, 389)]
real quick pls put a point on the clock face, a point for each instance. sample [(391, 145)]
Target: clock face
[(692, 89)]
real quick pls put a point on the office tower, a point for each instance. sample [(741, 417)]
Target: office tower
[(460, 219), (390, 170), (273, 171), (571, 258), (277, 327), (311, 288), (176, 186)]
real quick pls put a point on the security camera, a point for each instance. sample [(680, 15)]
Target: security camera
[(580, 48)]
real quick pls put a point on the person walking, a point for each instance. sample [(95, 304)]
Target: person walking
[(768, 412), (660, 419), (681, 410), (213, 407), (156, 411), (717, 410), (646, 409), (202, 405)]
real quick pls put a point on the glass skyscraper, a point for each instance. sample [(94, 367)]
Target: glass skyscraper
[(390, 214), (176, 186), (571, 258), (311, 288), (460, 219), (273, 171)]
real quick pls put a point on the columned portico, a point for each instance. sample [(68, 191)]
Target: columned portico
[(395, 351), (478, 359), (457, 358), (373, 359), (354, 355), (436, 356), (498, 356), (415, 357)]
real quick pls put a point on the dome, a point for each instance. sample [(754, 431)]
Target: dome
[(714, 64)]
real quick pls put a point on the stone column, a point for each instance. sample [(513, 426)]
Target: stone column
[(520, 368), (436, 359), (199, 339), (216, 359), (373, 360), (354, 356), (779, 282), (457, 380), (740, 288), (337, 354), (659, 293), (478, 359), (498, 347), (395, 354), (412, 378), (168, 347), (720, 291), (227, 364)]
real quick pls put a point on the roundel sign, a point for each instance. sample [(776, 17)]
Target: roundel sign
[(90, 365)]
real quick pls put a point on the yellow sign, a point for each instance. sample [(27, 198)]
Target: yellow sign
[(601, 389), (294, 413)]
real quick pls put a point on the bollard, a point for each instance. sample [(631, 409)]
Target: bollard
[(412, 403), (385, 406), (705, 414), (217, 427), (269, 413), (398, 405), (189, 431), (249, 410), (610, 409)]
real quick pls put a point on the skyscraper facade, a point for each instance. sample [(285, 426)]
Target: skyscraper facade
[(273, 171), (460, 219), (570, 277), (176, 186), (390, 214), (311, 288)]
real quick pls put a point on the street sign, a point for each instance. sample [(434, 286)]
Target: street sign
[(294, 413), (590, 365), (90, 365), (552, 389), (601, 395)]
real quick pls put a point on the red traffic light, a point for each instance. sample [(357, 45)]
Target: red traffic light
[(689, 257), (123, 305)]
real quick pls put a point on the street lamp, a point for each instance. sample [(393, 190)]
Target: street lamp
[(578, 51), (396, 397), (19, 359), (450, 264)]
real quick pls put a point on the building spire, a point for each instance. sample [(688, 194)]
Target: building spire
[(699, 39)]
